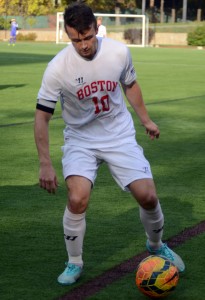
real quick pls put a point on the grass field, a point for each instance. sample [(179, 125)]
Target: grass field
[(32, 251)]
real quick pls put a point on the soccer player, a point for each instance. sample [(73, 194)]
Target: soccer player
[(102, 31), (13, 32), (86, 76)]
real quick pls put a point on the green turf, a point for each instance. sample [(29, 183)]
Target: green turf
[(32, 251)]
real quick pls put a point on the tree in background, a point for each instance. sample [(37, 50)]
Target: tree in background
[(105, 6), (25, 8), (97, 6), (156, 9)]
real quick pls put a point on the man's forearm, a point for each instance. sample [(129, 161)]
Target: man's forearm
[(42, 136), (135, 98)]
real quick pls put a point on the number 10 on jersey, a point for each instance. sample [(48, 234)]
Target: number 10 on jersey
[(101, 104)]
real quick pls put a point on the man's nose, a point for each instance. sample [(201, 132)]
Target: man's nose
[(84, 44)]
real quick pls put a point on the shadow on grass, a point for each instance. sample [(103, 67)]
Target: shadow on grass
[(10, 59), (15, 86)]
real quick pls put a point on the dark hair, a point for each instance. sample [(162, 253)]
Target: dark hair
[(80, 17)]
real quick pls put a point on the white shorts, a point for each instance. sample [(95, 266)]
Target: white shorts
[(126, 163)]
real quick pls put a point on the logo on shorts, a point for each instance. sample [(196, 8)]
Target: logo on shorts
[(146, 169)]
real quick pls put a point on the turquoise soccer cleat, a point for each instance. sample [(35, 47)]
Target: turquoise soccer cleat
[(70, 275), (165, 251)]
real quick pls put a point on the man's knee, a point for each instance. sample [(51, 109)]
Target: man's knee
[(144, 192), (79, 189), (148, 201), (77, 204)]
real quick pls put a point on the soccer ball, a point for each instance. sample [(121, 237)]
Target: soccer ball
[(156, 276)]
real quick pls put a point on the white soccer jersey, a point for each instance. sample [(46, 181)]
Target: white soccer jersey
[(102, 32), (93, 106)]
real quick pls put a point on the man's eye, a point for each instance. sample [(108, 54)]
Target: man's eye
[(88, 38)]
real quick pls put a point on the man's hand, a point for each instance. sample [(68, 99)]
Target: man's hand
[(47, 179), (152, 130)]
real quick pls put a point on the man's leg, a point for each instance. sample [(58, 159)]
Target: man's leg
[(150, 210), (74, 224), (152, 218)]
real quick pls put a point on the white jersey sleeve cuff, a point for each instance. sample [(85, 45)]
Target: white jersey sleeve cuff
[(47, 103)]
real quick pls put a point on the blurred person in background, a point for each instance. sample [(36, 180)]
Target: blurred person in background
[(13, 32), (102, 31)]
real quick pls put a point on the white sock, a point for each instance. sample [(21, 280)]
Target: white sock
[(153, 222), (74, 230)]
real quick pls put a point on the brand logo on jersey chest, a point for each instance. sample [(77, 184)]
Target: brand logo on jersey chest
[(79, 80)]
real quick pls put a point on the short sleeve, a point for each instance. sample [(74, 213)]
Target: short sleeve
[(128, 74), (50, 87)]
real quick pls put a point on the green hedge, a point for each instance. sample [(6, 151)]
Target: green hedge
[(197, 37), (26, 37)]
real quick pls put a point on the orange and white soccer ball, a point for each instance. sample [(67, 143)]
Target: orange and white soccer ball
[(156, 276)]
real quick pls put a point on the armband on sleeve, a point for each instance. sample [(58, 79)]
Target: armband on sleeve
[(45, 105)]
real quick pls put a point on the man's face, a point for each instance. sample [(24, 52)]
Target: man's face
[(85, 44)]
